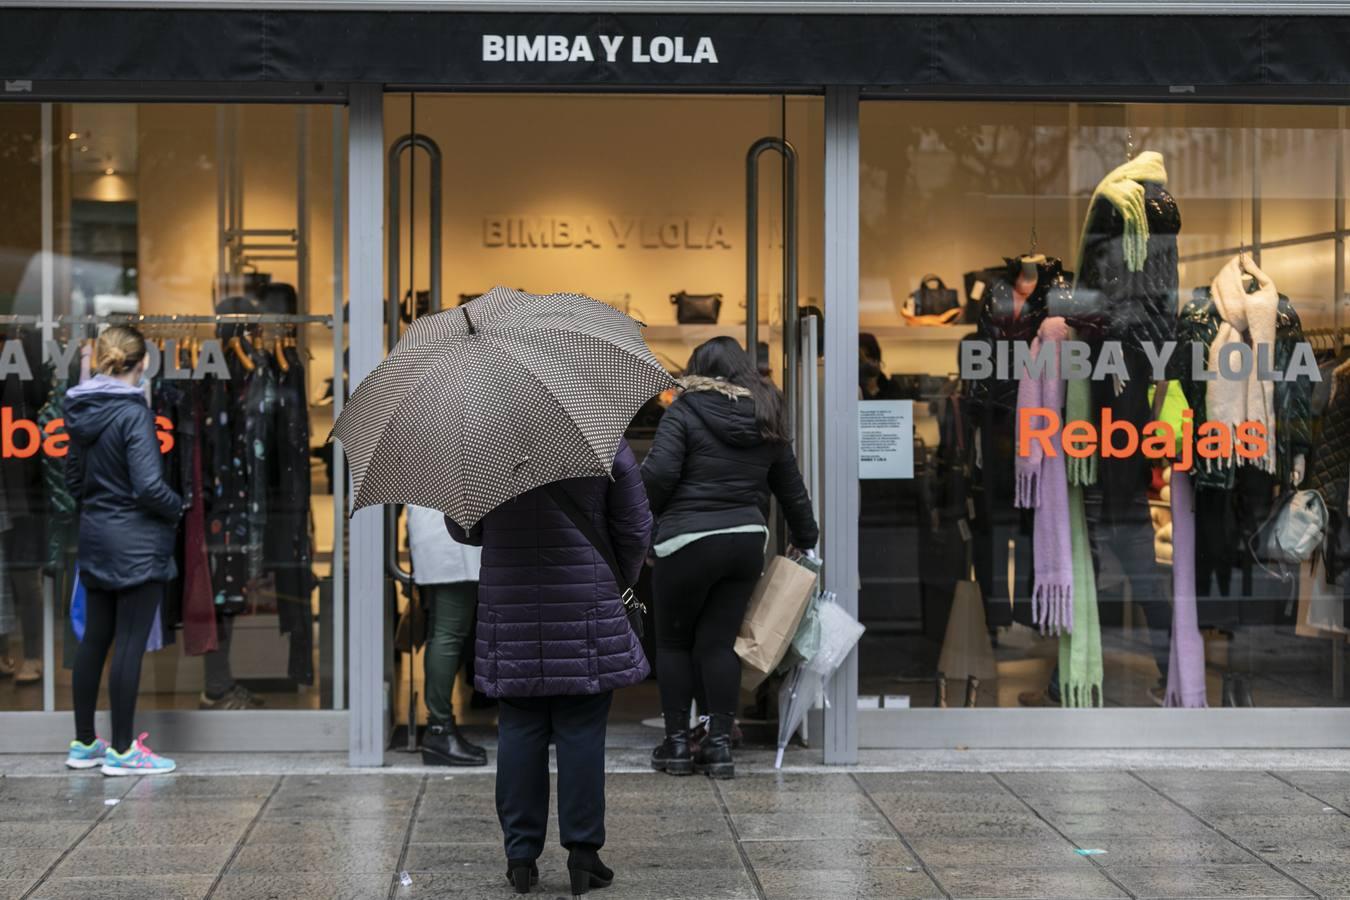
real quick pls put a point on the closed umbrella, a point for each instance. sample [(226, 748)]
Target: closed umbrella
[(509, 392)]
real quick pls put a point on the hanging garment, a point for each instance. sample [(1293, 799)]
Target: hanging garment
[(198, 601), (1042, 484), (1126, 289), (1199, 324), (1080, 651), (257, 415), (1243, 314), (1002, 534), (226, 482), (1330, 475), (1186, 670), (289, 536)]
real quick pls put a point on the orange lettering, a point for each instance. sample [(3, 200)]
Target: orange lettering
[(8, 426), (1028, 432), (1253, 442), (55, 444), (1111, 427), (1216, 441), (1160, 440), (1080, 439), (165, 433)]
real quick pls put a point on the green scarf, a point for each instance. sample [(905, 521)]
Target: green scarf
[(1078, 408), (1080, 651)]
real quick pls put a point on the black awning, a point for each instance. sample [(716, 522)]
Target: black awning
[(429, 48)]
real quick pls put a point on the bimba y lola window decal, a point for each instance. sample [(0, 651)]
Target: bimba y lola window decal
[(1117, 439)]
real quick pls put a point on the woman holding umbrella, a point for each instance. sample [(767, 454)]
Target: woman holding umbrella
[(719, 451), (507, 414), (553, 644)]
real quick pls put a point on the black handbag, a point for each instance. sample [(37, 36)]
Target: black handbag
[(696, 309), (632, 606), (932, 297)]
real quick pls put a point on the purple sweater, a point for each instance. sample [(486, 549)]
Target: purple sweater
[(550, 621)]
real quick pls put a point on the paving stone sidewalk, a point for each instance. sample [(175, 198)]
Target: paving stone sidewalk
[(1173, 833)]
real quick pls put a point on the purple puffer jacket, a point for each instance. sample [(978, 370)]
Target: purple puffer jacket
[(550, 620)]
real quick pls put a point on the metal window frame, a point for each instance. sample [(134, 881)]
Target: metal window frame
[(840, 473)]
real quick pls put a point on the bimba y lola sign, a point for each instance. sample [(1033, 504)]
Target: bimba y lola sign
[(609, 48), (1116, 439)]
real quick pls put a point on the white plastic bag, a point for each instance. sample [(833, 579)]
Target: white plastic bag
[(839, 633)]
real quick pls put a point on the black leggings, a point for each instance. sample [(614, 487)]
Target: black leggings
[(123, 617), (700, 593)]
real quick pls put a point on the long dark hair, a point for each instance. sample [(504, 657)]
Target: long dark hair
[(724, 358)]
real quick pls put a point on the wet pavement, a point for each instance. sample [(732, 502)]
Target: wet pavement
[(1041, 834)]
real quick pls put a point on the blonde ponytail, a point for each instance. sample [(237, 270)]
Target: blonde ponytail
[(120, 349)]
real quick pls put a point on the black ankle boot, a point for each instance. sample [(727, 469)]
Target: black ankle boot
[(714, 754), (523, 874), (587, 871), (465, 742), (443, 746), (672, 755)]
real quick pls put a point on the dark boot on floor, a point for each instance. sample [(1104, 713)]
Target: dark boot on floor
[(469, 745), (523, 874), (714, 754), (443, 746), (672, 755), (587, 871)]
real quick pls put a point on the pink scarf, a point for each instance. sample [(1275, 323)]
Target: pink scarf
[(1043, 485), (1186, 666)]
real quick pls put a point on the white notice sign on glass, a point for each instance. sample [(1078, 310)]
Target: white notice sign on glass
[(886, 439)]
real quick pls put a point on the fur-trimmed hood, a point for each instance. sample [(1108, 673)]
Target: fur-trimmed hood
[(697, 383), (726, 409)]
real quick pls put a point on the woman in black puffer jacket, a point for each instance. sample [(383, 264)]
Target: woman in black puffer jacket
[(719, 451)]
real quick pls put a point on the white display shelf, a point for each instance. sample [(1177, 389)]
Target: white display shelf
[(697, 334), (949, 333)]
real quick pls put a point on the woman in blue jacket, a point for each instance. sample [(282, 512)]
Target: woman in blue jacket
[(128, 522)]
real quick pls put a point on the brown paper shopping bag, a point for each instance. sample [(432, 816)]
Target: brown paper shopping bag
[(776, 609)]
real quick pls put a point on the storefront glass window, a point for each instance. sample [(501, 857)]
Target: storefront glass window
[(1165, 244), (168, 217)]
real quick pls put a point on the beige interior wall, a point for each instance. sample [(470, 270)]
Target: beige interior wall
[(615, 162), (948, 188), (20, 193), (178, 209)]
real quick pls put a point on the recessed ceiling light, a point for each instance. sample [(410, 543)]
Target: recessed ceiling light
[(74, 135), (84, 148)]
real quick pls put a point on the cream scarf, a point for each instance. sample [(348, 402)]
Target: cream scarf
[(1232, 402)]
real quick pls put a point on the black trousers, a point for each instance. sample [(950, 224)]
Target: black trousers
[(121, 620), (700, 593), (525, 727)]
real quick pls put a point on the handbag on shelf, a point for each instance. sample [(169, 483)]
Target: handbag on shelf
[(933, 298), (696, 309), (632, 606)]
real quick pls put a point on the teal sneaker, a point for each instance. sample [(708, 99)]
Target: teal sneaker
[(86, 756), (138, 760)]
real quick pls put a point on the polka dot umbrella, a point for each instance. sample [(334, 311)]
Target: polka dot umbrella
[(479, 404)]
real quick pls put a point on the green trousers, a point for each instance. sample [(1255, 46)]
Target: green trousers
[(451, 608)]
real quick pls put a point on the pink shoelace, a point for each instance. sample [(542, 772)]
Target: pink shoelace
[(140, 746)]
